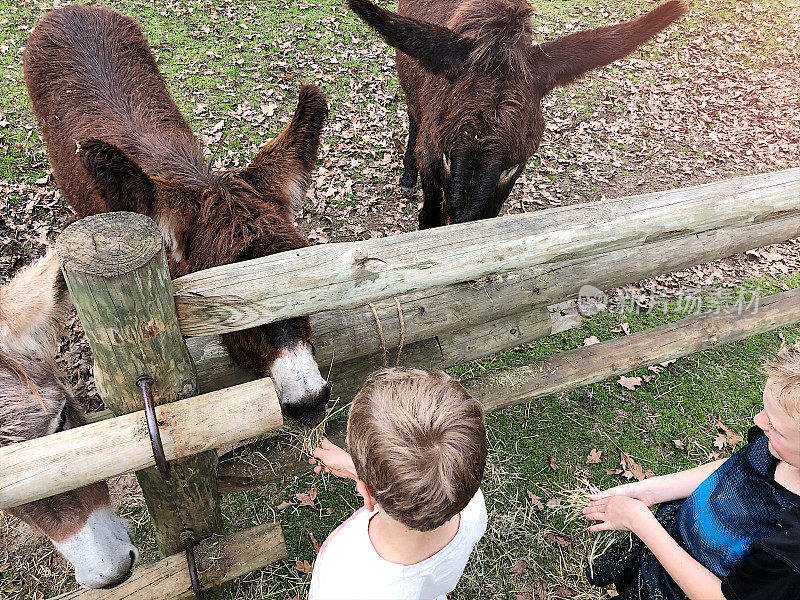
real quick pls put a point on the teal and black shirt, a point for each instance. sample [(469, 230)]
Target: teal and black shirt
[(735, 506)]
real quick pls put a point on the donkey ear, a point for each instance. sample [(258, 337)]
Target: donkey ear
[(122, 182), (32, 307), (438, 49), (286, 162), (566, 59)]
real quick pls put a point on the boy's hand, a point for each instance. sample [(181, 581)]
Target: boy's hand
[(334, 460), (617, 512), (639, 490)]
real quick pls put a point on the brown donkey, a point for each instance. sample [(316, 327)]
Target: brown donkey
[(474, 81), (117, 141), (35, 402)]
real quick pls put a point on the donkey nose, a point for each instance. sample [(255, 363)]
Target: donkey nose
[(310, 410)]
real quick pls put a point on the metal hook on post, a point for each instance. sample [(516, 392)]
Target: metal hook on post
[(146, 383), (188, 539)]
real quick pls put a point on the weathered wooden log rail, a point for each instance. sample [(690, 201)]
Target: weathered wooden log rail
[(346, 335), (220, 559), (346, 275), (78, 457)]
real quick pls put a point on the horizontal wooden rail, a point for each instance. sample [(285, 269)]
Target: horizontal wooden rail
[(219, 559), (76, 457), (345, 335), (350, 334), (265, 461), (347, 275)]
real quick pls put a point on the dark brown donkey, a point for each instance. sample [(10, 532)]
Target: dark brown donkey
[(474, 81), (35, 402), (117, 141)]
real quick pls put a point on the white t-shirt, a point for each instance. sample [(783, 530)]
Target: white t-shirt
[(348, 568)]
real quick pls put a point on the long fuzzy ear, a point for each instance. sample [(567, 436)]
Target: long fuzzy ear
[(564, 60), (32, 309), (122, 182), (286, 162), (438, 49)]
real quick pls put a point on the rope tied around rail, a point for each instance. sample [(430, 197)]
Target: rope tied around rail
[(381, 336)]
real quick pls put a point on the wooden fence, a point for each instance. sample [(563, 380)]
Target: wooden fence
[(453, 294)]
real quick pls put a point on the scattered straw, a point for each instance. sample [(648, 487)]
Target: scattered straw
[(304, 439), (571, 505)]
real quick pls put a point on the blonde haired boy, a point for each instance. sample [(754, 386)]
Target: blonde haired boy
[(737, 534), (417, 453)]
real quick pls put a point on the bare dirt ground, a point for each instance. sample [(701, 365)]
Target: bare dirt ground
[(716, 96)]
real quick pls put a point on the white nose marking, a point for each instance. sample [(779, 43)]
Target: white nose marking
[(101, 552), (296, 375)]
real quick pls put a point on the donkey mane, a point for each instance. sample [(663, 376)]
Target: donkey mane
[(500, 32), (31, 395)]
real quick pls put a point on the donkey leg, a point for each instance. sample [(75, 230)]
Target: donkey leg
[(431, 213), (408, 182)]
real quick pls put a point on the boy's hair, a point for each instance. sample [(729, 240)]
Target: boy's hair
[(784, 371), (418, 441)]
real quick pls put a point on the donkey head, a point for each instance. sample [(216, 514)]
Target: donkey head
[(214, 218), (33, 403), (478, 104)]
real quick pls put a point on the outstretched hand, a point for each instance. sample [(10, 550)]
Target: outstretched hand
[(639, 490), (617, 512), (330, 458)]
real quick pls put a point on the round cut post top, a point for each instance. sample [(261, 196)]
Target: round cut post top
[(109, 244)]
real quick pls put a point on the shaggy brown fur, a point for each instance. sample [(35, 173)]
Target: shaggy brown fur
[(33, 400), (117, 141), (474, 80)]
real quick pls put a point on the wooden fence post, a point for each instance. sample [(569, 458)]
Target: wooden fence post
[(116, 270)]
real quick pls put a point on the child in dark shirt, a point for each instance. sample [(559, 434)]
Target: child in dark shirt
[(736, 536)]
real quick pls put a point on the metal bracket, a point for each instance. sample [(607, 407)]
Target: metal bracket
[(188, 539), (146, 383)]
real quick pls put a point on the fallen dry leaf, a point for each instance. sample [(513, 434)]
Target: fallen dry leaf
[(307, 498), (304, 567), (537, 501), (553, 463), (632, 468), (594, 457), (733, 438), (630, 383), (314, 542), (554, 502), (591, 340), (284, 505), (519, 567)]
